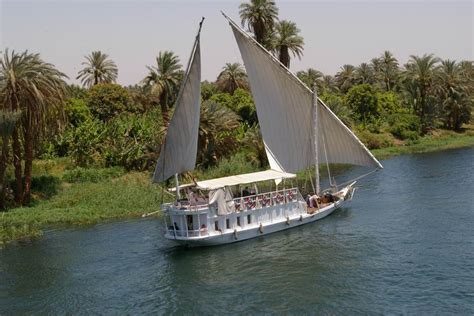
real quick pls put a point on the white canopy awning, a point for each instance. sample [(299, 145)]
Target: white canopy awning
[(246, 178)]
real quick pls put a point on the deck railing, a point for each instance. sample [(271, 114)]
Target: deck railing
[(266, 199), (188, 233)]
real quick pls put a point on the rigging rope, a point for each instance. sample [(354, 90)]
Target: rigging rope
[(326, 156), (358, 178)]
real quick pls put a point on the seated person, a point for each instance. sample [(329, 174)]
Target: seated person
[(327, 198), (192, 198), (313, 200), (246, 192)]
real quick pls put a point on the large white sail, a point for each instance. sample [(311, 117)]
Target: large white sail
[(284, 110), (178, 152)]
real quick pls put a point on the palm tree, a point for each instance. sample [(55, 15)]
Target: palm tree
[(453, 90), (343, 112), (328, 84), (419, 83), (98, 69), (260, 17), (164, 80), (386, 69), (311, 76), (467, 71), (287, 40), (364, 74), (231, 78), (8, 121), (37, 89), (216, 137), (252, 140), (345, 78)]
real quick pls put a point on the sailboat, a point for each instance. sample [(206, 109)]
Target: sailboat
[(299, 131)]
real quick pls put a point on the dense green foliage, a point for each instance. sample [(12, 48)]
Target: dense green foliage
[(107, 100), (362, 99)]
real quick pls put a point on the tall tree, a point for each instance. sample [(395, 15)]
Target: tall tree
[(387, 71), (37, 89), (328, 84), (98, 69), (454, 93), (364, 74), (345, 78), (287, 40), (8, 121), (311, 76), (216, 139), (231, 78), (419, 79), (164, 80), (260, 17)]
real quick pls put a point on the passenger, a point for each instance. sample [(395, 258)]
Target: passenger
[(246, 192), (203, 228), (192, 198), (313, 201)]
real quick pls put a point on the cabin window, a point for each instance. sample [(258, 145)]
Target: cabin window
[(227, 223), (249, 219), (216, 226), (238, 221)]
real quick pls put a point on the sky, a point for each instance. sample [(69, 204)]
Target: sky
[(132, 33)]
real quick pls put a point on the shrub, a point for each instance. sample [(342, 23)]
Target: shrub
[(362, 99), (84, 142), (92, 174), (224, 99), (375, 141), (107, 100), (77, 111), (404, 125), (45, 185), (388, 103), (237, 164), (131, 141), (208, 89)]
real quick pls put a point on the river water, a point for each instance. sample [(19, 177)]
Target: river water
[(405, 244)]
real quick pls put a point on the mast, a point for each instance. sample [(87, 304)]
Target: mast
[(316, 136), (196, 42)]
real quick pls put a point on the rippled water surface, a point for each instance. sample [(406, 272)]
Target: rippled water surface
[(405, 244)]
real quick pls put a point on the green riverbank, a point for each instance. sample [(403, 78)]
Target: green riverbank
[(94, 195)]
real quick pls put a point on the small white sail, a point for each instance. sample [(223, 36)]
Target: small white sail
[(178, 152), (284, 112)]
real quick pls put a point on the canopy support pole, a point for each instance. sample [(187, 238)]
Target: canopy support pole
[(316, 136), (178, 195)]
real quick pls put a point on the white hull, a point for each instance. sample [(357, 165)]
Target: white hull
[(255, 231)]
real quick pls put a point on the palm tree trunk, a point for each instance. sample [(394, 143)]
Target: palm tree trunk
[(28, 158), (3, 167), (285, 56), (17, 164), (164, 108)]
